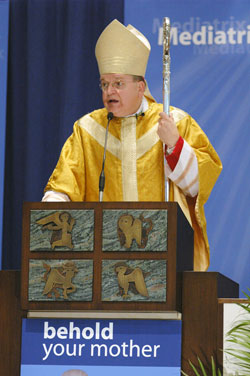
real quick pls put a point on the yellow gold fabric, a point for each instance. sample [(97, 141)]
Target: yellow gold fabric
[(123, 50), (139, 175), (128, 159)]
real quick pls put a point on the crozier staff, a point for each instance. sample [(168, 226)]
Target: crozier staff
[(134, 166)]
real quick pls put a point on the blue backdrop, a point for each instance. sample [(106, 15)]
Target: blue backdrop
[(4, 24), (53, 80), (210, 79)]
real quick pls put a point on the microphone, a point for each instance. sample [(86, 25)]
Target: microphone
[(102, 175), (110, 117)]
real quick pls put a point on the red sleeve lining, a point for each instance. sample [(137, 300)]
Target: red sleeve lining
[(173, 158)]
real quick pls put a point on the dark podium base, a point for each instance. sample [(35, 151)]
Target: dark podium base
[(202, 318), (10, 323)]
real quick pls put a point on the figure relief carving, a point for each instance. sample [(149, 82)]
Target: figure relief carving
[(130, 228), (59, 278), (130, 279), (61, 225)]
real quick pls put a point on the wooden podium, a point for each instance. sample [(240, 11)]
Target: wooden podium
[(112, 257)]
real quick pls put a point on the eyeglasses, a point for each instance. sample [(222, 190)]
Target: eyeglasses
[(117, 85)]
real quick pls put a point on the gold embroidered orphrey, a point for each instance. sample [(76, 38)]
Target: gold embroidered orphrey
[(59, 278), (130, 228), (61, 225), (132, 279)]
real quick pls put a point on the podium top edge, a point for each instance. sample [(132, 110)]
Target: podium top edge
[(100, 205), (122, 315)]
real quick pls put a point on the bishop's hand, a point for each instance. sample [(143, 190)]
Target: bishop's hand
[(167, 130)]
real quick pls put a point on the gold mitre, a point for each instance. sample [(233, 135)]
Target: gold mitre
[(121, 49)]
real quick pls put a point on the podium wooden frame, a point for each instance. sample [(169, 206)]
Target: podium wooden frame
[(178, 256)]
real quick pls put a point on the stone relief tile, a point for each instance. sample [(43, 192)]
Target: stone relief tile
[(61, 230), (134, 280), (135, 230), (60, 280)]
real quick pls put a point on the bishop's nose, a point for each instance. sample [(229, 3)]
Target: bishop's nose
[(110, 89)]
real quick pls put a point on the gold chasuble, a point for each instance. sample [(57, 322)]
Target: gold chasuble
[(134, 167)]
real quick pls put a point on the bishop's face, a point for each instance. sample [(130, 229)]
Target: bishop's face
[(121, 94)]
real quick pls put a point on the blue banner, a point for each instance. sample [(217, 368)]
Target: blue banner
[(4, 24), (210, 51), (90, 344)]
